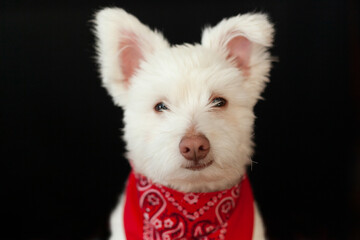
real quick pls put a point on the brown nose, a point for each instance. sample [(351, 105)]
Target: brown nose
[(194, 148)]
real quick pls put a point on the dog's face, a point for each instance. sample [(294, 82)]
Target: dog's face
[(188, 109)]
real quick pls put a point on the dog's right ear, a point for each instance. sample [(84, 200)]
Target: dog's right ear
[(122, 43)]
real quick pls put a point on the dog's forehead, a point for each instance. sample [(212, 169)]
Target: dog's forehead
[(186, 69)]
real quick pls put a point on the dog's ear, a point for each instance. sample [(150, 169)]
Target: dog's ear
[(244, 40), (122, 43)]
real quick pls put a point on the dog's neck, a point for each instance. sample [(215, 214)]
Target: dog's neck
[(162, 211)]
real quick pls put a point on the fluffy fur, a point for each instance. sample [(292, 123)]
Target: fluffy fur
[(140, 69)]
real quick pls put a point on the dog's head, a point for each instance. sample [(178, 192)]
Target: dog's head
[(188, 109)]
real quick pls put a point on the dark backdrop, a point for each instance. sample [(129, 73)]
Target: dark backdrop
[(62, 165)]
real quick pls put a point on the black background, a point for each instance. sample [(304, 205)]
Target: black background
[(61, 154)]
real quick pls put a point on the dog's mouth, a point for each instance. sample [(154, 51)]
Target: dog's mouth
[(197, 166)]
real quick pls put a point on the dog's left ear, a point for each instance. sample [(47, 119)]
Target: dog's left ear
[(244, 40)]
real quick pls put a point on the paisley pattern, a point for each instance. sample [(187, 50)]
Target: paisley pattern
[(168, 214)]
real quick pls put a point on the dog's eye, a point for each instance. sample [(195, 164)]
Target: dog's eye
[(218, 102), (160, 107)]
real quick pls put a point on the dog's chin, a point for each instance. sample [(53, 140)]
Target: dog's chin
[(202, 178), (198, 166)]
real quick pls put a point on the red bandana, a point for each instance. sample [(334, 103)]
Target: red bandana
[(155, 212)]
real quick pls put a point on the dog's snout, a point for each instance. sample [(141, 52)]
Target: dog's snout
[(194, 148)]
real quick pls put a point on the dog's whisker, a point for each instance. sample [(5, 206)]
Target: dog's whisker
[(251, 164)]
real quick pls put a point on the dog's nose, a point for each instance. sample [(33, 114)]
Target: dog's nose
[(194, 148)]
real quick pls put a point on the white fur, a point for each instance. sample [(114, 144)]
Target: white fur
[(185, 78)]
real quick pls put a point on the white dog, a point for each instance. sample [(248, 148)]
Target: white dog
[(188, 114)]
